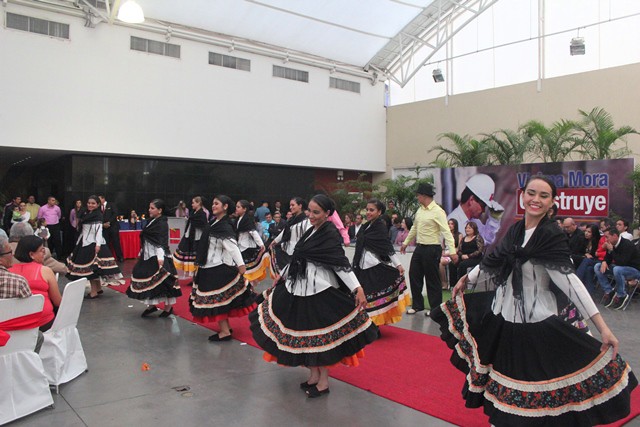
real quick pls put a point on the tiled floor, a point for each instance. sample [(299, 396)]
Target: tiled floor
[(228, 385)]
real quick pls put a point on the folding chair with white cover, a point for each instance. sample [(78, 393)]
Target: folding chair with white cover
[(24, 388), (62, 354)]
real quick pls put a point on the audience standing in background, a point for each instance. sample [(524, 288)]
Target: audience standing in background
[(268, 220), (8, 212), (262, 211), (355, 228), (33, 209), (396, 226), (577, 242), (52, 214)]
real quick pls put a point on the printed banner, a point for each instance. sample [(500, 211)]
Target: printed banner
[(490, 195)]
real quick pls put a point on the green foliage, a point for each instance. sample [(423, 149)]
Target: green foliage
[(599, 137), (466, 151), (592, 137), (402, 190)]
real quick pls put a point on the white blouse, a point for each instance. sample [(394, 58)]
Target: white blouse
[(318, 278), (149, 250), (248, 239), (223, 251), (91, 233), (539, 301), (297, 230), (369, 259)]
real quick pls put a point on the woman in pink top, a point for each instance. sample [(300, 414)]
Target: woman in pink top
[(42, 281), (407, 223)]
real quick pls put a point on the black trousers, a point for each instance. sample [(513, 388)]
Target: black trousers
[(112, 237), (55, 241), (425, 264)]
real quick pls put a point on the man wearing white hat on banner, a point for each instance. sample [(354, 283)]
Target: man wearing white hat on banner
[(475, 199)]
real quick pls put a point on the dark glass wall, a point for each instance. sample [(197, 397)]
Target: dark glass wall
[(132, 182)]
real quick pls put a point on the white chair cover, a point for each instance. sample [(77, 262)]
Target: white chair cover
[(24, 388), (62, 354)]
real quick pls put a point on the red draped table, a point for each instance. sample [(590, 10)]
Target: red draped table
[(130, 243)]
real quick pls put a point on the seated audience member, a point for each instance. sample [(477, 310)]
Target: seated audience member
[(347, 221), (41, 279), (396, 227), (14, 286), (577, 241), (623, 261), (268, 220), (277, 226), (406, 224), (18, 231), (594, 253), (604, 224), (622, 225)]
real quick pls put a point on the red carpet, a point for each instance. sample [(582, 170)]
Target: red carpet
[(417, 371)]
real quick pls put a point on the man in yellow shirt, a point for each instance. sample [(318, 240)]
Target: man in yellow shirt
[(429, 226)]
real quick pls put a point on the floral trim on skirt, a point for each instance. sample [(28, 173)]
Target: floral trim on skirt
[(85, 263), (530, 374), (318, 330), (220, 292), (150, 283), (387, 293)]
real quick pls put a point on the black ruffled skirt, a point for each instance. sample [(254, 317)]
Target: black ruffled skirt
[(545, 373), (318, 330), (85, 263), (149, 283), (386, 291), (279, 260), (220, 292), (184, 258)]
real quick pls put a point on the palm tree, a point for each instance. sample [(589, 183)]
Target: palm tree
[(552, 144), (599, 137), (466, 151), (507, 147)]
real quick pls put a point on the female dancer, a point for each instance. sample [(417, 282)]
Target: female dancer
[(378, 269), (91, 258), (185, 256), (253, 252), (154, 279), (313, 320), (283, 245), (219, 288), (524, 364)]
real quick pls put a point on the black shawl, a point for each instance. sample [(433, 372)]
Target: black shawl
[(245, 223), (374, 237), (286, 236), (222, 229), (90, 217), (156, 232), (324, 248), (197, 220), (548, 246)]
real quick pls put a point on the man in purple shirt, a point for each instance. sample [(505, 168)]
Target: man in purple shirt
[(51, 213)]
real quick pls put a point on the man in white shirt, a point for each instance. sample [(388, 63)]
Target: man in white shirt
[(622, 225)]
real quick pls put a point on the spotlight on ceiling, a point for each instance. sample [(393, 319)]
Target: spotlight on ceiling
[(576, 47), (130, 12), (438, 77)]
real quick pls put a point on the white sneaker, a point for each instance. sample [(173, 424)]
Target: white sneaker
[(411, 311)]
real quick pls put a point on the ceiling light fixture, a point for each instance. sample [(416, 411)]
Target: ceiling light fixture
[(130, 12), (438, 77)]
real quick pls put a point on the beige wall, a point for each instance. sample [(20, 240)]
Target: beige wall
[(412, 129)]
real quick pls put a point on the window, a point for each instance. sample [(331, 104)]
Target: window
[(229, 61), (155, 47), (38, 26), (341, 84), (291, 74)]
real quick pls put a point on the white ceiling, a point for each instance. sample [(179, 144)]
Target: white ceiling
[(346, 31)]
